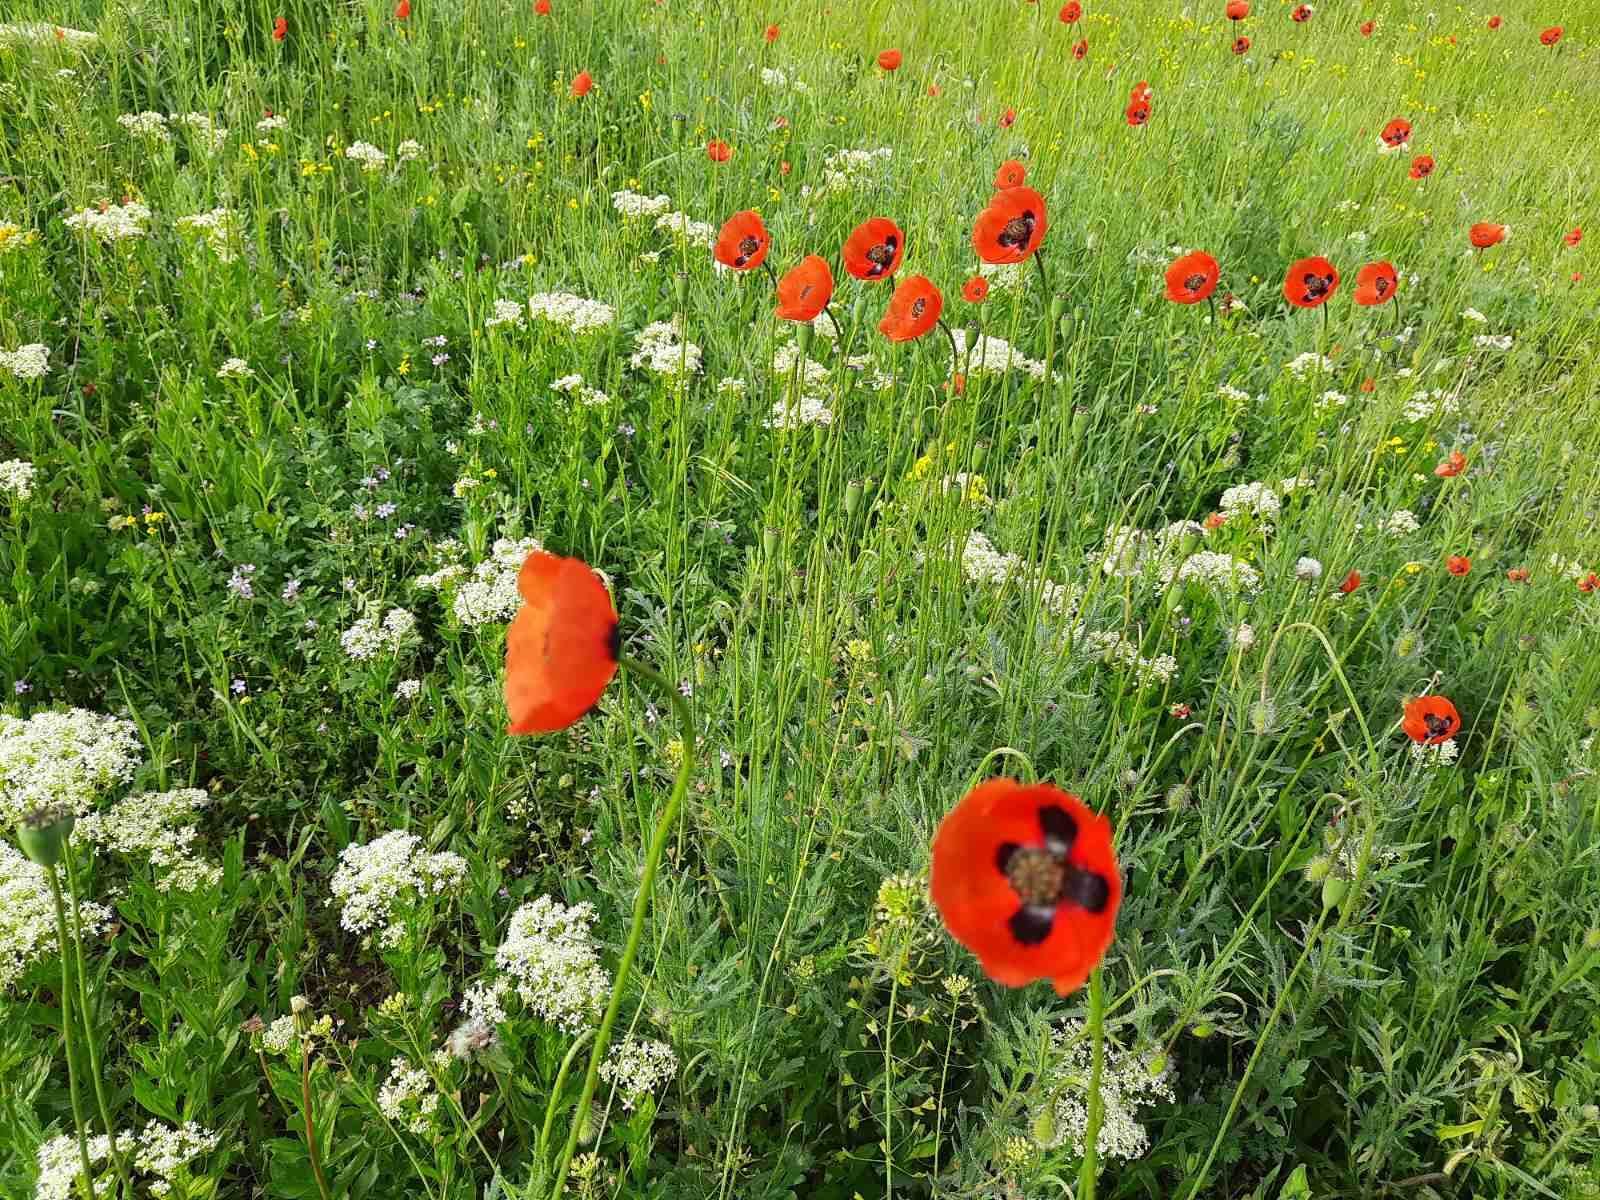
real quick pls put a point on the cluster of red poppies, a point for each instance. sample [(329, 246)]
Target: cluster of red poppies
[(1008, 230)]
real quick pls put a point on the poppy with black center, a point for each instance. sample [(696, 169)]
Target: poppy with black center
[(1396, 133), (1011, 174), (1026, 878), (913, 309), (1422, 166), (1551, 36), (1080, 49), (561, 647), (1012, 226), (1485, 234), (805, 291), (1192, 278), (975, 290), (1071, 12), (1138, 112), (874, 249), (1376, 283), (1310, 282), (1458, 565), (1430, 720), (1301, 14), (1241, 45), (743, 242)]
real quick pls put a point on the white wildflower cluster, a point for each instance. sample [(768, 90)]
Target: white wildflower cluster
[(1400, 523), (1441, 755), (208, 133), (982, 563), (408, 151), (159, 1151), (272, 123), (632, 205), (368, 155), (661, 350), (1307, 570), (506, 312), (279, 1036), (844, 170), (391, 873), (1224, 570), (549, 959), (809, 409), (157, 825), (16, 478), (994, 356), (1492, 341), (1258, 499), (697, 233), (776, 79), (1568, 568), (786, 357), (1243, 638), (1296, 483), (1331, 400), (28, 915), (1129, 1081), (111, 222), (219, 229), (1426, 406), (488, 593), (369, 637), (408, 1097), (26, 362), (571, 312), (573, 385), (1233, 395), (1303, 365), (1472, 314), (637, 1067), (63, 759), (1003, 277), (152, 126), (235, 368), (1120, 651), (1130, 552), (41, 33)]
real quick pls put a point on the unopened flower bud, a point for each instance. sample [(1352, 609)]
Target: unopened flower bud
[(43, 833)]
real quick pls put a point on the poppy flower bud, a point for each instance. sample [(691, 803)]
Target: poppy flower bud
[(769, 541), (852, 497), (42, 834), (803, 334), (1057, 304), (1334, 891), (682, 283), (858, 310), (1044, 1126)]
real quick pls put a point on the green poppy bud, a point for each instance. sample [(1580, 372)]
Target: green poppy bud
[(43, 834)]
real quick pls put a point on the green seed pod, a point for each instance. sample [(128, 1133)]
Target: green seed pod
[(1044, 1126), (802, 338), (852, 497), (769, 542), (43, 834), (1334, 890)]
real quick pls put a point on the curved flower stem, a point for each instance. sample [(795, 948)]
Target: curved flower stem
[(641, 905), (555, 1089), (95, 1073), (1044, 276), (87, 1179), (955, 355), (1089, 1172)]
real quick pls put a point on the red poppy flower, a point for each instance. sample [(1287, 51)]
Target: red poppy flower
[(772, 33), (913, 309), (1142, 93), (1237, 10), (541, 7), (1458, 565), (718, 151), (1422, 166), (1214, 521), (402, 10), (805, 291), (1007, 118), (1080, 49), (582, 83), (1011, 227), (743, 242), (1241, 45), (784, 168), (280, 29), (1013, 174), (1026, 878), (1302, 14), (890, 60), (1369, 385), (975, 290), (1138, 112), (1376, 284), (874, 249), (1310, 282), (1350, 583), (1429, 720), (1589, 583), (1452, 466), (1367, 27), (1551, 36), (1517, 575), (1485, 234), (1396, 133), (1071, 12), (1572, 237), (1494, 22), (561, 648), (1192, 278)]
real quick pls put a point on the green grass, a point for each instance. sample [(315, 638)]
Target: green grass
[(1363, 976)]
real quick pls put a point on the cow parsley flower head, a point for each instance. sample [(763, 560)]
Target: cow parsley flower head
[(634, 204), (571, 312), (1258, 498), (112, 222), (26, 362), (637, 1067), (160, 1153), (16, 478), (28, 915), (379, 880), (368, 155), (64, 759), (661, 350), (549, 959), (408, 1097), (1129, 1081), (158, 826), (369, 636)]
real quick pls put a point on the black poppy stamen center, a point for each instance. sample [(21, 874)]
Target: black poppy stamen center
[(1036, 876), (1381, 285), (1317, 285), (1437, 726), (1018, 231), (882, 255), (1044, 880), (1194, 283), (918, 306)]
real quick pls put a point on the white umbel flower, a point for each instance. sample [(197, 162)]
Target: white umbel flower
[(638, 1067), (16, 478), (63, 758), (571, 312), (26, 362), (391, 873), (111, 222), (1129, 1081), (28, 916), (368, 155), (549, 959)]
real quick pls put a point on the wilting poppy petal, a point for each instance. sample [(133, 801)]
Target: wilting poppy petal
[(913, 309), (743, 242), (1430, 720), (1011, 227), (805, 291), (874, 249), (1026, 878), (1192, 278), (561, 648), (1310, 282)]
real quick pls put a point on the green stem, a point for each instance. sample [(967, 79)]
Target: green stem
[(95, 1073), (555, 1090), (311, 1129), (1089, 1172), (641, 905), (1044, 276), (86, 1181)]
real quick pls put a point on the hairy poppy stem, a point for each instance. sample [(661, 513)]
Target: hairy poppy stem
[(1212, 301), (1044, 276), (1089, 1171), (641, 905), (1323, 349), (86, 1182), (1399, 319)]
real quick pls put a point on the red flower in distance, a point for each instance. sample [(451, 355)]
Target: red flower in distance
[(1376, 283), (771, 34), (541, 7), (1517, 574), (1302, 14), (402, 11), (1458, 565), (280, 29), (890, 60), (1422, 166), (1241, 45), (1396, 133), (1572, 237), (718, 151), (1367, 27), (1494, 22), (1192, 278), (1485, 234), (582, 84), (1080, 49), (1451, 466), (1071, 12), (1013, 174), (1137, 112), (1237, 10), (1026, 878), (1551, 36), (1350, 583), (1430, 720)]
